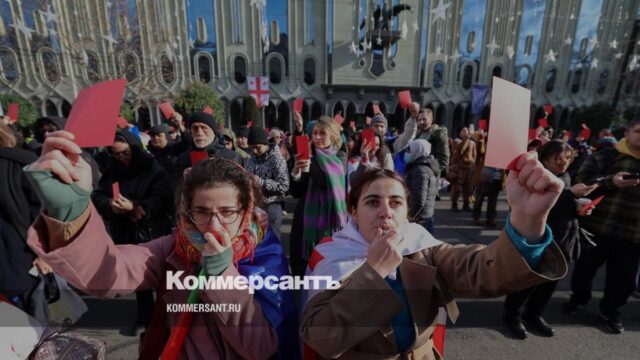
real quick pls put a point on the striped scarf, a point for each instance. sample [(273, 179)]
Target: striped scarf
[(325, 211)]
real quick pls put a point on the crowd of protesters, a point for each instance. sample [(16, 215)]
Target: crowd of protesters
[(365, 215)]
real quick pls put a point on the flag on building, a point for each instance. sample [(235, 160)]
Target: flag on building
[(259, 89)]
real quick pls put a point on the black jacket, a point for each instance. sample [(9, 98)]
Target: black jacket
[(422, 179), (563, 222), (167, 157), (19, 208), (144, 182)]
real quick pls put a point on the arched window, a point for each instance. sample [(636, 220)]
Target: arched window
[(497, 71), (129, 64), (93, 67), (51, 66), (275, 70), (550, 80), (204, 69), (66, 108), (167, 69), (602, 82), (240, 69), (467, 76), (577, 79), (8, 66), (438, 75), (309, 71)]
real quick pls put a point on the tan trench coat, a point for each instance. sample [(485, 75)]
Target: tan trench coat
[(354, 322)]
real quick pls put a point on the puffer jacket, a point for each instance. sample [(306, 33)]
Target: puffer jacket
[(422, 179)]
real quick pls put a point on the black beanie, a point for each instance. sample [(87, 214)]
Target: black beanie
[(257, 136), (243, 132), (203, 117), (158, 129)]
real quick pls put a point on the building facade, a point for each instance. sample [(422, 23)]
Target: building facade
[(340, 56)]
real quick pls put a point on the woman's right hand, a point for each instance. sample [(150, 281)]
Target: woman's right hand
[(383, 255), (61, 156), (366, 151), (299, 165)]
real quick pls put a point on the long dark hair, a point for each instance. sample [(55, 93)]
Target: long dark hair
[(380, 154), (553, 148), (364, 179)]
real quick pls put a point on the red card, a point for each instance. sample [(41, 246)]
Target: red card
[(405, 99), (566, 134), (197, 156), (586, 132), (266, 130), (12, 112), (376, 109), (483, 124), (339, 119), (352, 124), (543, 123), (297, 105), (250, 124), (591, 205), (368, 136), (95, 112), (167, 110), (302, 147), (208, 110), (532, 134), (122, 123), (367, 120), (115, 190), (548, 109)]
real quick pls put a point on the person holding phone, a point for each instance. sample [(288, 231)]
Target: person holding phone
[(555, 156), (615, 222)]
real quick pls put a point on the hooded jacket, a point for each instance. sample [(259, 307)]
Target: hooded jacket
[(234, 141), (143, 182), (422, 179)]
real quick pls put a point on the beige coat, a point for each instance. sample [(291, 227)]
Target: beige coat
[(354, 322)]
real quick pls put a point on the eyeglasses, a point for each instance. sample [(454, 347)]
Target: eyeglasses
[(203, 217)]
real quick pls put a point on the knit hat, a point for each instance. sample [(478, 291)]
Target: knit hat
[(257, 136), (158, 129), (379, 119), (419, 148), (243, 132), (203, 117)]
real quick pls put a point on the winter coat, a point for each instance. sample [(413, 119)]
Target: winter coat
[(422, 180), (20, 206), (271, 168), (234, 140), (167, 157), (144, 182)]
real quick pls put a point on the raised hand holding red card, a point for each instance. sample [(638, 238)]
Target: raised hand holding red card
[(167, 110), (95, 112), (297, 105)]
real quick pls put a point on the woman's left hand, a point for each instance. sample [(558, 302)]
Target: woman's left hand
[(532, 191)]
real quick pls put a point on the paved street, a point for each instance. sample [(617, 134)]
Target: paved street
[(479, 332)]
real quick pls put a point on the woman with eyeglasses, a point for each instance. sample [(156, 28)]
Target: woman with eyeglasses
[(556, 156), (218, 234)]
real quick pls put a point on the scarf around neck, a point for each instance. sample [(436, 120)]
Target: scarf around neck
[(325, 211), (344, 253)]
